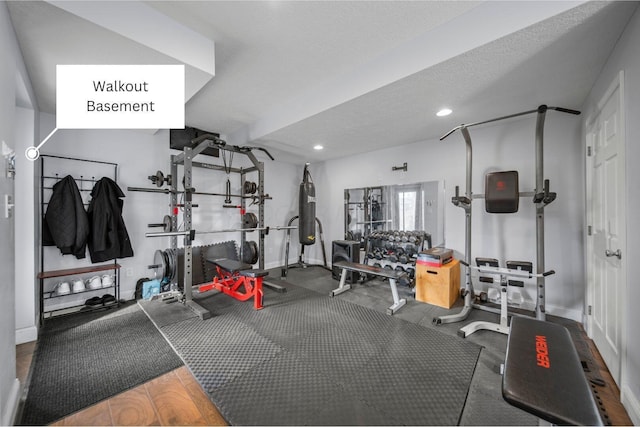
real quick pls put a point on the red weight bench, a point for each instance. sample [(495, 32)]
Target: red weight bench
[(238, 280)]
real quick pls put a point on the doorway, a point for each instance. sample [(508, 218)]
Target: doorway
[(606, 227)]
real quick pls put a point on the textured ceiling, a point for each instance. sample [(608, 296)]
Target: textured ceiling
[(353, 76)]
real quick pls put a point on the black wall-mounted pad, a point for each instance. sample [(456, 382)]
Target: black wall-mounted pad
[(501, 192)]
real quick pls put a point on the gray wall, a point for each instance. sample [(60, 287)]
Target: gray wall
[(626, 57)]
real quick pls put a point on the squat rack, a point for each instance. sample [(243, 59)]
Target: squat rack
[(198, 145), (541, 198)]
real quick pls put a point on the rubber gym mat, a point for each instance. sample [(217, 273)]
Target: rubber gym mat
[(310, 359), (81, 360)]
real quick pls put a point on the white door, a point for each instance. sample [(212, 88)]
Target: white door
[(606, 216)]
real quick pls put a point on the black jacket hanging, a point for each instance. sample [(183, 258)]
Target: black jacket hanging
[(65, 223), (108, 238)]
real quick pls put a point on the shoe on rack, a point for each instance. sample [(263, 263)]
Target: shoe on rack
[(108, 299), (62, 288), (94, 283), (93, 301), (78, 286), (107, 281)]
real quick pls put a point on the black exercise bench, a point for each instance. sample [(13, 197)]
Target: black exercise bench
[(392, 275), (543, 374)]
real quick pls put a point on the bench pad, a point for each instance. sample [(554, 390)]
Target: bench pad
[(368, 269), (230, 265), (543, 374)]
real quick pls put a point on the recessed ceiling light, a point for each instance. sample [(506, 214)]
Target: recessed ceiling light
[(444, 112), (318, 147)]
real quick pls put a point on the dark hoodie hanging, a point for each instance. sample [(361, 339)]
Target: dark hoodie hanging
[(65, 223), (108, 238)]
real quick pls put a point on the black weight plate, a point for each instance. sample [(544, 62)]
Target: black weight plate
[(168, 224), (249, 220), (159, 179), (250, 252), (250, 187), (160, 263)]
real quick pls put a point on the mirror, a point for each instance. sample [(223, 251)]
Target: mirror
[(402, 207)]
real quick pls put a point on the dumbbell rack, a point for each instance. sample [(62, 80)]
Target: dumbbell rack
[(396, 250)]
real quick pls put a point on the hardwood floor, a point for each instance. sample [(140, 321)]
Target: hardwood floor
[(176, 398), (173, 399)]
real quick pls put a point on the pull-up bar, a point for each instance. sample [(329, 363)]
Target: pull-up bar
[(542, 197), (540, 109)]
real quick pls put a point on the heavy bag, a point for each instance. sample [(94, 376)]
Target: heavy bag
[(307, 209)]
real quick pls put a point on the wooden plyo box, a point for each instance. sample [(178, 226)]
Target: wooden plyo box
[(438, 285)]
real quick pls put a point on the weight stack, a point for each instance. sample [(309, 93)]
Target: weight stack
[(345, 250)]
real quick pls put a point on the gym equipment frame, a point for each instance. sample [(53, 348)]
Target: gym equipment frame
[(503, 326), (392, 275), (541, 198), (198, 145)]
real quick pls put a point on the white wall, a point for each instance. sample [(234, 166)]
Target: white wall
[(26, 218), (10, 67), (140, 154), (508, 145), (626, 56)]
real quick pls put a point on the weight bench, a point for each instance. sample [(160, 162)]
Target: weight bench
[(392, 275), (543, 374), (238, 280)]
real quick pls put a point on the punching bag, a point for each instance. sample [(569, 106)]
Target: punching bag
[(307, 209)]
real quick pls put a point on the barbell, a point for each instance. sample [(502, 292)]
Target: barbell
[(229, 230)]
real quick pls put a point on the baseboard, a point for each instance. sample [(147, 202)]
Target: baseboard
[(11, 405), (565, 313), (631, 404), (24, 335)]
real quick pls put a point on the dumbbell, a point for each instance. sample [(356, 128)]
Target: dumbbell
[(411, 272)]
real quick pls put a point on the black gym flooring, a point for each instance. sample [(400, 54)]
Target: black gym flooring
[(310, 359)]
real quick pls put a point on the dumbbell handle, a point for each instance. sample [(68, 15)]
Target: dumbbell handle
[(155, 225)]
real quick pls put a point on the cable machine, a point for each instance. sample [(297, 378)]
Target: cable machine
[(541, 198)]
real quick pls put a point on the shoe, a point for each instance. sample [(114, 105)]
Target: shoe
[(107, 281), (62, 288), (78, 286), (108, 299), (94, 283), (93, 301)]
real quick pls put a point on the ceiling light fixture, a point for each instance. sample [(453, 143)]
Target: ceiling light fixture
[(444, 112), (318, 147)]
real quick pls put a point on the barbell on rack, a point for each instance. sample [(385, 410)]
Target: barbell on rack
[(200, 193), (229, 230)]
